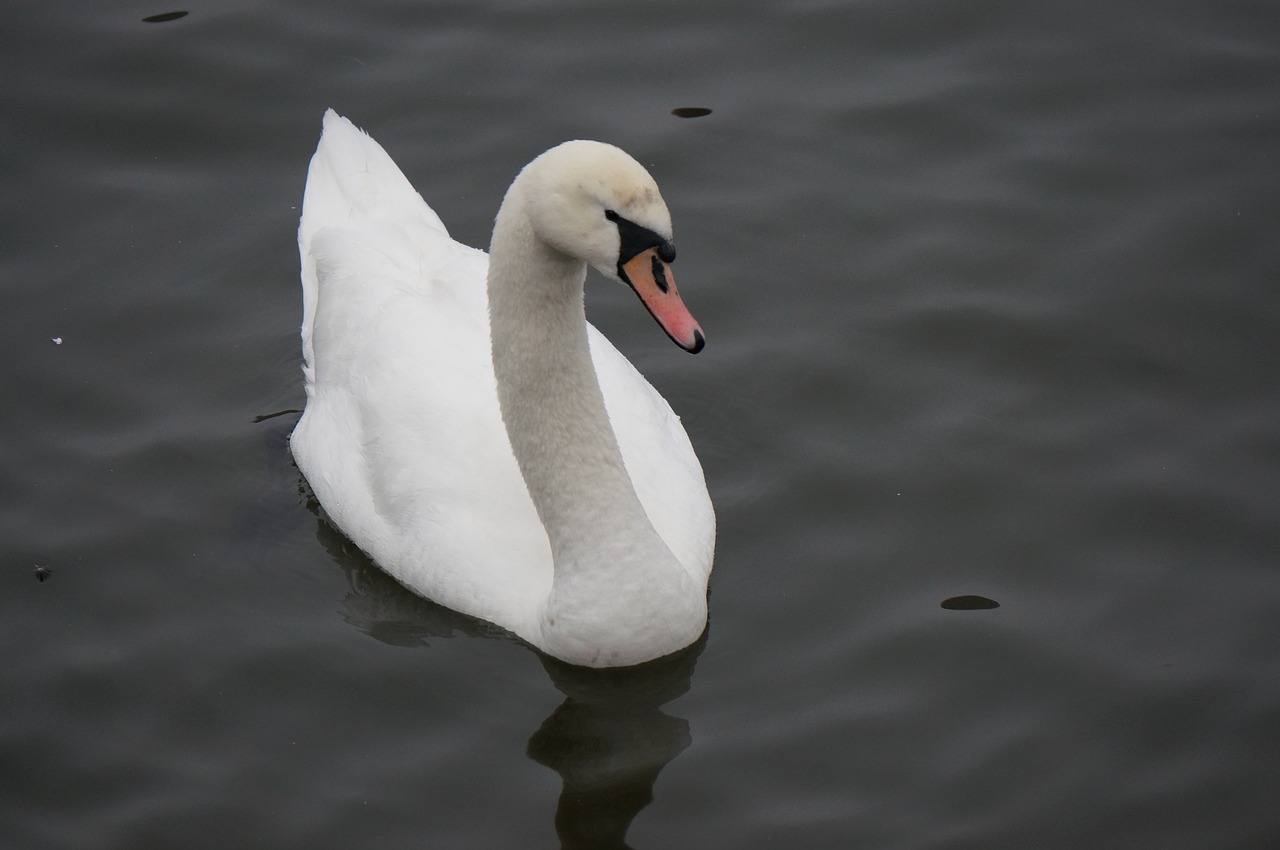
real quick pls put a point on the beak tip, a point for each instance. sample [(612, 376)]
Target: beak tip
[(698, 342)]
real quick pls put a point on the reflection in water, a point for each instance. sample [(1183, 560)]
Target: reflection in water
[(608, 740)]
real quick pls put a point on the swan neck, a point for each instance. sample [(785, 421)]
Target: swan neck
[(553, 408)]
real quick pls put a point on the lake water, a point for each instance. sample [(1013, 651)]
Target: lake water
[(992, 299)]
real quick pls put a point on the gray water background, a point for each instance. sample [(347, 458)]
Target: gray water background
[(990, 292)]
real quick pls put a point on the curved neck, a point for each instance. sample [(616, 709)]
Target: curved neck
[(553, 408)]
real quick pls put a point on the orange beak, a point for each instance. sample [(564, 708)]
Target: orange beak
[(652, 280)]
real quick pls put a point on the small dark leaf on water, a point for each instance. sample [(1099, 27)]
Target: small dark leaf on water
[(164, 17), (969, 603), (42, 573), (690, 111)]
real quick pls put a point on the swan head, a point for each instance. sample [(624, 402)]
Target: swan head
[(593, 201)]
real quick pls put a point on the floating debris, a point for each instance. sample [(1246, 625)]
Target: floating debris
[(57, 340), (969, 603), (265, 416), (164, 17), (690, 111), (43, 572)]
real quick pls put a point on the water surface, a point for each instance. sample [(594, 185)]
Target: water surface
[(990, 298)]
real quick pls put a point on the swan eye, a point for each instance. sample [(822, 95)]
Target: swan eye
[(635, 238)]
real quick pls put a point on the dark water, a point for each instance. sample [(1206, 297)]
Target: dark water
[(990, 292)]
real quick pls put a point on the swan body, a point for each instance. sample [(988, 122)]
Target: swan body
[(471, 432)]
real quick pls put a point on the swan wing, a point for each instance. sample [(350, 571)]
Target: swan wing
[(659, 457), (402, 440)]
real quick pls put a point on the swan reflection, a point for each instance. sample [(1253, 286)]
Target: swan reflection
[(609, 739)]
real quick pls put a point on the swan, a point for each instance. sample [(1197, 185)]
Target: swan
[(471, 432)]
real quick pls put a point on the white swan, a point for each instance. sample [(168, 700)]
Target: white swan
[(481, 442)]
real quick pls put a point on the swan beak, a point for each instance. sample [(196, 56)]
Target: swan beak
[(652, 280)]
